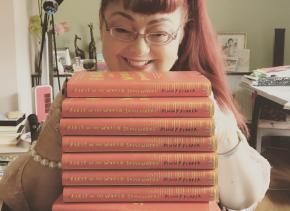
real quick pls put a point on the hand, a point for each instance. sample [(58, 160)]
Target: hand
[(49, 140), (41, 184)]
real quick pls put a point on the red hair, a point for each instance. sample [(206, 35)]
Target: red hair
[(198, 50)]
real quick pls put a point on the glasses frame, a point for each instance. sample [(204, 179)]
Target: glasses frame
[(172, 36)]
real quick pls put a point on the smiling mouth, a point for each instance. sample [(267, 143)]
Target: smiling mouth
[(137, 63)]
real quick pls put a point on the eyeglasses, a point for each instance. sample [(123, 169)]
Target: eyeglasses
[(151, 38)]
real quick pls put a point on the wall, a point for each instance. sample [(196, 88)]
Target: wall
[(78, 14), (8, 82), (22, 11), (15, 92), (257, 18)]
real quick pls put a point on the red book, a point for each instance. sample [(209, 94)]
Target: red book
[(139, 194), (59, 205), (138, 126), (138, 84), (138, 107), (138, 143), (147, 160), (139, 177)]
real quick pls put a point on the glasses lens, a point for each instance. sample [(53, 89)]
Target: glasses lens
[(158, 38), (123, 34)]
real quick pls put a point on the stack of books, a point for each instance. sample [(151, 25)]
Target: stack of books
[(138, 141), (270, 76), (11, 129)]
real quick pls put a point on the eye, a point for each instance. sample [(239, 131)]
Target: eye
[(121, 30), (158, 36)]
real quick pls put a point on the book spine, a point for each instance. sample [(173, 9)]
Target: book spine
[(138, 143), (141, 160), (139, 193), (12, 122), (137, 126), (127, 206), (137, 107), (139, 177), (138, 84)]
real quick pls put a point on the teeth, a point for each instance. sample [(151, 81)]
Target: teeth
[(137, 63)]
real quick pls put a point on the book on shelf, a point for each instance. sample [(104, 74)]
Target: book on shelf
[(9, 139), (271, 76), (137, 126), (138, 107), (139, 177), (140, 160), (80, 143), (59, 205), (5, 121), (138, 84), (12, 129), (140, 194), (10, 151), (273, 71)]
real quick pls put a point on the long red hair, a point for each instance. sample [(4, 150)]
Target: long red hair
[(198, 50)]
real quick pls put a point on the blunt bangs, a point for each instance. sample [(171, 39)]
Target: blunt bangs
[(147, 7)]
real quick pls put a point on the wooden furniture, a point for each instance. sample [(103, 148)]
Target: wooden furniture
[(278, 95)]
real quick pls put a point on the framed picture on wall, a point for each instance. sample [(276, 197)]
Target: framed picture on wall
[(230, 42), (63, 56), (236, 55)]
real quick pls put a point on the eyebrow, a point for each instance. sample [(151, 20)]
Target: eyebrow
[(123, 15), (129, 17)]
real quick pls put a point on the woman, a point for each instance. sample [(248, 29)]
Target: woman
[(146, 35)]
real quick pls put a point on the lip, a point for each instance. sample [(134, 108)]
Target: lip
[(140, 64)]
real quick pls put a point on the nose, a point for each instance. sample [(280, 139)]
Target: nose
[(139, 47)]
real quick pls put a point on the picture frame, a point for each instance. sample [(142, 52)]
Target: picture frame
[(239, 40), (236, 56), (63, 56)]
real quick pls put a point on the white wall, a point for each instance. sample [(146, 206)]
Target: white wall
[(15, 82), (22, 10), (8, 79)]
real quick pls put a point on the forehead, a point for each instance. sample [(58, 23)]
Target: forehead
[(116, 10)]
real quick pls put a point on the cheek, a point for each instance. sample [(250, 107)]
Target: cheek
[(168, 56), (111, 50)]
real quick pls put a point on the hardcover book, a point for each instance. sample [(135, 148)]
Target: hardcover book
[(79, 143), (138, 107), (147, 160), (11, 122), (59, 205), (139, 177), (138, 84), (137, 126), (139, 194)]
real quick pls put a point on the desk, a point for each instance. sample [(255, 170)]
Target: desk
[(279, 95)]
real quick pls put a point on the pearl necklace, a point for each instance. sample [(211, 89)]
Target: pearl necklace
[(43, 161)]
